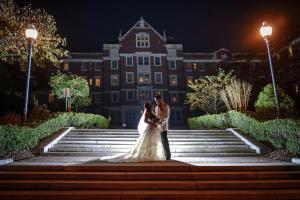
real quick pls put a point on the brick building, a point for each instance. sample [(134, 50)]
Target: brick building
[(143, 63)]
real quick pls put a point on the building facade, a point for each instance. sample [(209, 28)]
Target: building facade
[(143, 63)]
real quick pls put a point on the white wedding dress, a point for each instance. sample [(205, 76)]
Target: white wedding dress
[(149, 146)]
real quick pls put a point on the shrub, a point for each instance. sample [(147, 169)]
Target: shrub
[(11, 118), (15, 138), (282, 133), (38, 113), (265, 102), (214, 121), (236, 95)]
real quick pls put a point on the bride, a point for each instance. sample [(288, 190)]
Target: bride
[(149, 146)]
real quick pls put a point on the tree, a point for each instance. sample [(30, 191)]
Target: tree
[(79, 87), (82, 102), (206, 92), (265, 102), (49, 46), (236, 95)]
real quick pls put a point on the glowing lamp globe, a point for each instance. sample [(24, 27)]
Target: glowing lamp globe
[(265, 30), (31, 33)]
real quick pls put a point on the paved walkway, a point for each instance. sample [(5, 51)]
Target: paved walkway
[(209, 161)]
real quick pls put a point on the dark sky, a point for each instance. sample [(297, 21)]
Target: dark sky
[(201, 26)]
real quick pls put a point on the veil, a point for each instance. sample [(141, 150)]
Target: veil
[(142, 125)]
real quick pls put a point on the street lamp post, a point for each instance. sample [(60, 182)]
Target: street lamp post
[(31, 35), (266, 32)]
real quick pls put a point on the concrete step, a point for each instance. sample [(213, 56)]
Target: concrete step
[(174, 155), (61, 175), (134, 142), (290, 194), (148, 185), (135, 131), (136, 135), (232, 139), (243, 146), (173, 150)]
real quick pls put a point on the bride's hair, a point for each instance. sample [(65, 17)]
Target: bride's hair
[(148, 107)]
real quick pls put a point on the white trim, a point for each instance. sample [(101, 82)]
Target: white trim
[(111, 79), (127, 74), (6, 161), (175, 58), (257, 146), (111, 58), (53, 142), (145, 41), (135, 27), (161, 78)]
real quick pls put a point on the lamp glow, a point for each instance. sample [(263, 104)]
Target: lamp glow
[(265, 30), (31, 33)]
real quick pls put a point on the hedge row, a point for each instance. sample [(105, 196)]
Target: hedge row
[(282, 133), (15, 138)]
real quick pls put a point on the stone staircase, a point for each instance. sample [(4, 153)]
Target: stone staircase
[(184, 144), (159, 180)]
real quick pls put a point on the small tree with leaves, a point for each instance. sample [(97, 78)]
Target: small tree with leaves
[(206, 92), (82, 102), (14, 19), (265, 103), (78, 86)]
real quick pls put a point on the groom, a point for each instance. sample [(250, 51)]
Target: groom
[(162, 111)]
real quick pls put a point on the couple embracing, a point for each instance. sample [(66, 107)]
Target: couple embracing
[(152, 144)]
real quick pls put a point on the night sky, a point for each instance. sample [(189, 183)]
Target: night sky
[(201, 26)]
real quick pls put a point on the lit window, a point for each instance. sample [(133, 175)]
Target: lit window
[(157, 61), (50, 98), (172, 64), (195, 66), (97, 81), (114, 80), (129, 61), (66, 66), (90, 81), (114, 64), (173, 80), (157, 92), (129, 77), (189, 79), (290, 51), (142, 40), (144, 94), (158, 77), (144, 78), (174, 98)]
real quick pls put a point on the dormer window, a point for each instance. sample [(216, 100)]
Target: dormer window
[(142, 40)]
